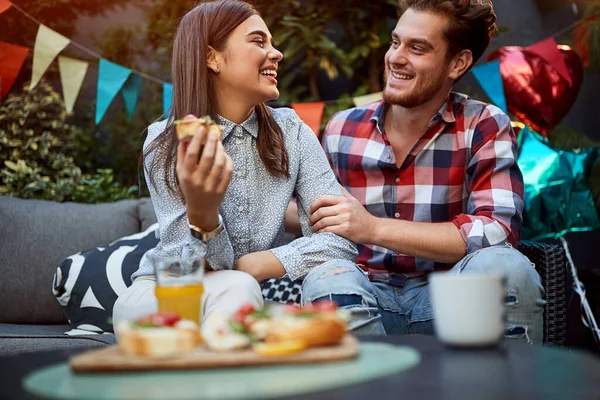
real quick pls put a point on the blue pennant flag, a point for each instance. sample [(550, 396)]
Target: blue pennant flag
[(130, 93), (111, 78), (490, 80), (167, 98)]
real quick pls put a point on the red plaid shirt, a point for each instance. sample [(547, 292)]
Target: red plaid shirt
[(463, 170)]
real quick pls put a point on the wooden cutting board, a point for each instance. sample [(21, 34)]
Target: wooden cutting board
[(112, 359)]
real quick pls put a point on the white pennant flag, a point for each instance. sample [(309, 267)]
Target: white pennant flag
[(366, 99), (72, 73), (47, 46)]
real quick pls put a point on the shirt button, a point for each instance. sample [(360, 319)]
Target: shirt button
[(397, 215), (389, 156), (397, 180), (241, 208)]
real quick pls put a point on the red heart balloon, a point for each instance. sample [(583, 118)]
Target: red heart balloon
[(535, 92)]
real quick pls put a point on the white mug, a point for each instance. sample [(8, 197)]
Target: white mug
[(468, 309)]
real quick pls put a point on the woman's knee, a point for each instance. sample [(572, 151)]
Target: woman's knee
[(138, 300), (226, 291)]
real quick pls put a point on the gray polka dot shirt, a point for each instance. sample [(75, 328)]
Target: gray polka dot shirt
[(253, 210)]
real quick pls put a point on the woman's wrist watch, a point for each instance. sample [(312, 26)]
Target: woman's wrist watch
[(205, 236)]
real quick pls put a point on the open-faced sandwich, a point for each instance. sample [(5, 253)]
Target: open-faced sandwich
[(187, 127), (272, 333), (160, 334)]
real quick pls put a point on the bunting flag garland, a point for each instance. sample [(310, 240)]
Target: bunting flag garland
[(12, 58), (167, 98), (311, 114), (48, 44), (130, 92), (547, 49), (111, 78), (489, 77), (366, 99), (4, 5), (72, 72)]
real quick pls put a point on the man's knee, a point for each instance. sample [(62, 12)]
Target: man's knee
[(340, 281), (504, 260)]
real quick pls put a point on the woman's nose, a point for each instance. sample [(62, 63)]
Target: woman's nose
[(275, 55)]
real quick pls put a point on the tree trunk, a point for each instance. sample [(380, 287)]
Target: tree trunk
[(313, 84), (374, 64)]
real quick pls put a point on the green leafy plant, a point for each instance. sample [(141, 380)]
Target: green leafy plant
[(39, 149)]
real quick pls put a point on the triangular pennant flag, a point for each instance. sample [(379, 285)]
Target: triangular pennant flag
[(367, 98), (72, 73), (547, 50), (167, 98), (4, 5), (490, 80), (311, 114), (130, 92), (111, 78), (12, 58), (48, 44)]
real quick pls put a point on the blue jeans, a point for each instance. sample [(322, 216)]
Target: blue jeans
[(377, 308)]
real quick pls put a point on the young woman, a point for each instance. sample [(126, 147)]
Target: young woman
[(226, 200)]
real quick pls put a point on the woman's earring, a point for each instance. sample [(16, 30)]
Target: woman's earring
[(217, 69)]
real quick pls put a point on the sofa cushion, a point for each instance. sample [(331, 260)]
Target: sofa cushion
[(88, 283), (282, 290), (19, 339), (36, 235), (146, 213)]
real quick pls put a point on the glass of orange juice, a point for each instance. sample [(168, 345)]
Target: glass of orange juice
[(179, 287)]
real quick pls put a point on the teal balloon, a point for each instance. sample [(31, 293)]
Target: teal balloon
[(557, 194)]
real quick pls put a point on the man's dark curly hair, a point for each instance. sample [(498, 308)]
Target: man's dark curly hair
[(472, 23)]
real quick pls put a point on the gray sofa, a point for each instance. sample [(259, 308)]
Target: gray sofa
[(35, 237)]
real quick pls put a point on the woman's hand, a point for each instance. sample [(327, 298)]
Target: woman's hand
[(204, 171)]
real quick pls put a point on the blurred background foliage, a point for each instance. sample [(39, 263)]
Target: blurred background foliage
[(333, 50)]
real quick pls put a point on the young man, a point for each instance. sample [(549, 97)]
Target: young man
[(432, 182)]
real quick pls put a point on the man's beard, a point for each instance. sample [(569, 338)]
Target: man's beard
[(420, 94)]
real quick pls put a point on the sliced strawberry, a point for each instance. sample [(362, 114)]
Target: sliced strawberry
[(246, 309), (170, 318)]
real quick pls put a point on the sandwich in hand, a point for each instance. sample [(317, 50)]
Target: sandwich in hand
[(187, 127)]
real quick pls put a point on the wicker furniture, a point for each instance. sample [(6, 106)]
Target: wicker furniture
[(551, 263)]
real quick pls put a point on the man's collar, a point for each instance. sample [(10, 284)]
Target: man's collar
[(250, 125), (446, 112)]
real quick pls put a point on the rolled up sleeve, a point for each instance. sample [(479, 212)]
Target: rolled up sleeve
[(495, 203)]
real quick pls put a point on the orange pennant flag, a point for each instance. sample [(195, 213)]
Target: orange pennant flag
[(12, 58), (311, 114), (4, 5)]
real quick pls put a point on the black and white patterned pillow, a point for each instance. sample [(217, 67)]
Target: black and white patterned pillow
[(88, 283), (282, 290)]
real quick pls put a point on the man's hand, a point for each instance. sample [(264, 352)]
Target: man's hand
[(344, 216)]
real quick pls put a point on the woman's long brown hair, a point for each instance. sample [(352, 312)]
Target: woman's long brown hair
[(194, 90)]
